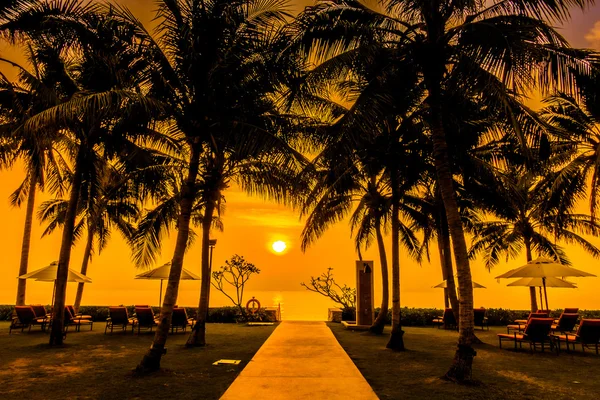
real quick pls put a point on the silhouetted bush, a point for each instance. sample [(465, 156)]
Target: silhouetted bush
[(6, 312), (349, 314)]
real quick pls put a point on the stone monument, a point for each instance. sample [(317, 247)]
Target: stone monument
[(365, 310)]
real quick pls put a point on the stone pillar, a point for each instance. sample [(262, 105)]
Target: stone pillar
[(365, 311)]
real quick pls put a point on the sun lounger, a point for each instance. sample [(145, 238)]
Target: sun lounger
[(537, 331), (118, 317), (40, 311), (588, 335), (78, 315), (76, 322), (180, 320), (480, 318), (447, 320), (566, 323), (144, 318), (519, 324), (26, 318)]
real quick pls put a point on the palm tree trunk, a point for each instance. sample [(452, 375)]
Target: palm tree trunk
[(58, 313), (84, 266), (396, 341), (532, 295), (151, 360), (379, 323), (444, 267), (445, 238), (198, 335), (23, 265), (461, 368)]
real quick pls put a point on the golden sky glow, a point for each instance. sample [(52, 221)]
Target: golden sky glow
[(252, 226)]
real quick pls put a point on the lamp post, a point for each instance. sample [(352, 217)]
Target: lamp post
[(211, 246)]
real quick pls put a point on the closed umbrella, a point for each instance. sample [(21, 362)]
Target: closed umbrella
[(162, 273), (544, 268), (48, 274)]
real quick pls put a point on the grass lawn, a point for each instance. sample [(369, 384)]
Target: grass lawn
[(92, 365), (504, 374)]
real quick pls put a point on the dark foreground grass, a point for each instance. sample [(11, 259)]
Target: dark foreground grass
[(92, 365), (504, 374)]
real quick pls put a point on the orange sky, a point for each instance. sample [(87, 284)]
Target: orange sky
[(251, 225)]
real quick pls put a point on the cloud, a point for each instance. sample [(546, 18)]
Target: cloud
[(593, 36)]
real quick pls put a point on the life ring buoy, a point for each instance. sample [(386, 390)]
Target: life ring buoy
[(255, 306)]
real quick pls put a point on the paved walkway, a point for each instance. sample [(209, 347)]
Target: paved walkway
[(300, 360)]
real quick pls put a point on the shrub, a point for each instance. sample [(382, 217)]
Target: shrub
[(6, 312)]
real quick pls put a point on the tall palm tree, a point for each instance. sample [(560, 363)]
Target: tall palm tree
[(494, 48), (112, 204), (523, 213), (368, 161), (216, 65), (575, 125), (100, 85), (32, 93)]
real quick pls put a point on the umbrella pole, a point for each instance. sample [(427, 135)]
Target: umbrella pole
[(541, 298), (545, 293), (160, 295), (53, 295)]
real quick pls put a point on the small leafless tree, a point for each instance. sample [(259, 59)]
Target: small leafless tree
[(326, 285), (236, 272)]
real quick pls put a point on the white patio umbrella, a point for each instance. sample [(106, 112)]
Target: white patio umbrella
[(544, 268), (48, 274), (162, 273), (539, 282)]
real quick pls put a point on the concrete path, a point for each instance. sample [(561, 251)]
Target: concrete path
[(300, 360)]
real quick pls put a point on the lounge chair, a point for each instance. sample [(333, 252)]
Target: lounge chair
[(119, 317), (537, 331), (566, 323), (538, 312), (40, 311), (588, 334), (571, 310), (479, 318), (520, 323), (26, 318), (447, 319), (76, 322), (78, 315), (180, 320), (145, 318)]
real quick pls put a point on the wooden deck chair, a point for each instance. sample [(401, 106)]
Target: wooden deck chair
[(40, 311), (566, 323), (537, 331), (145, 318), (447, 320), (76, 322), (78, 315), (588, 335), (26, 318), (118, 316), (520, 324), (571, 310), (480, 319), (180, 320)]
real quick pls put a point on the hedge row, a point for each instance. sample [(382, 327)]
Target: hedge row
[(100, 313), (496, 316), (410, 316)]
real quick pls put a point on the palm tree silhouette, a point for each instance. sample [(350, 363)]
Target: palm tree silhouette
[(39, 153), (217, 67), (491, 51)]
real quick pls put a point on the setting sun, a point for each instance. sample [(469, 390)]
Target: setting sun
[(279, 246)]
